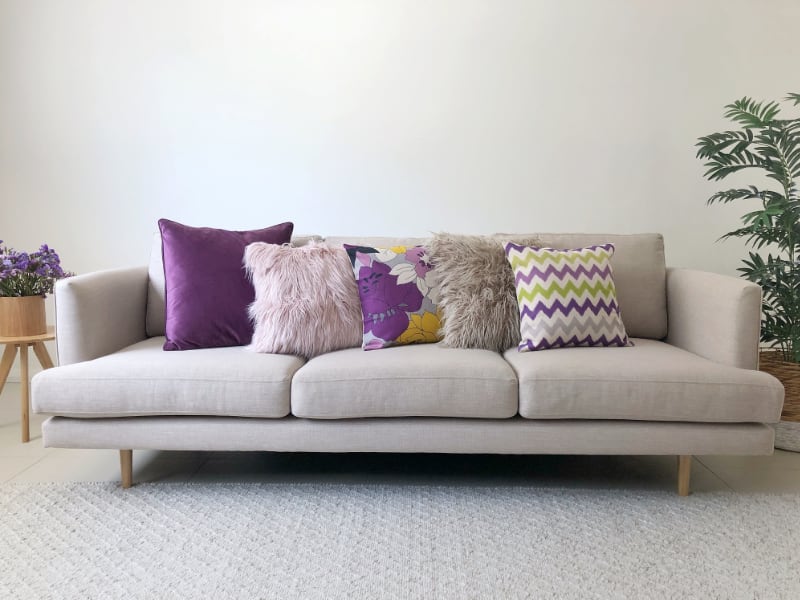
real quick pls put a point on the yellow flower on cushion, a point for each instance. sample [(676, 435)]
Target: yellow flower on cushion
[(422, 329)]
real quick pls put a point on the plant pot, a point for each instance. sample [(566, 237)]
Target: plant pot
[(787, 432), (23, 316)]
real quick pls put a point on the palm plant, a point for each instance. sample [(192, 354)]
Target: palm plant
[(771, 145)]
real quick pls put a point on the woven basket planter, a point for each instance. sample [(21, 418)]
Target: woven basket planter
[(787, 432)]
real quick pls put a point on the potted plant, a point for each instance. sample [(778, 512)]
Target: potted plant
[(25, 280), (768, 143)]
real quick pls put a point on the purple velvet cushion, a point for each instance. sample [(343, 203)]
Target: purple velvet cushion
[(207, 290)]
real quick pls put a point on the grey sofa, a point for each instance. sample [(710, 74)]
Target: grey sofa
[(689, 385)]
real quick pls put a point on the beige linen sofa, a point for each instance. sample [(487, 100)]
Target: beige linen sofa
[(689, 385)]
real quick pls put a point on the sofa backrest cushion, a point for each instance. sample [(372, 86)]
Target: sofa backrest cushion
[(640, 274), (375, 242), (155, 319), (640, 271)]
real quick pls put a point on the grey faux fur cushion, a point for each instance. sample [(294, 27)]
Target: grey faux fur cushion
[(477, 296)]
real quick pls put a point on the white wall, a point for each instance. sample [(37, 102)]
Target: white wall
[(374, 117)]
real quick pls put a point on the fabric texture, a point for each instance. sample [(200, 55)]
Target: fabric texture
[(639, 275), (477, 297), (156, 301), (207, 291), (638, 262), (155, 319), (714, 316), (372, 241), (143, 380), (443, 528), (99, 313), (306, 299), (398, 293), (426, 380), (566, 297), (650, 381), (411, 434)]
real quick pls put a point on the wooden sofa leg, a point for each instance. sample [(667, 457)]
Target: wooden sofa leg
[(126, 466), (684, 474)]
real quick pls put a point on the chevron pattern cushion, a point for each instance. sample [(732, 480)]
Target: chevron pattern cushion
[(566, 297)]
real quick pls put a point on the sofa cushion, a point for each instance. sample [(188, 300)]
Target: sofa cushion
[(650, 381), (640, 276), (374, 241), (478, 302), (639, 273), (426, 380), (306, 299), (566, 297), (144, 380), (156, 302), (207, 291), (398, 293)]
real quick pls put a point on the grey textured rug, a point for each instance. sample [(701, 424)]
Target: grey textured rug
[(356, 541)]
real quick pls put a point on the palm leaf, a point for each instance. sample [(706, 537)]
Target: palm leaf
[(749, 113), (748, 193), (716, 143), (770, 145)]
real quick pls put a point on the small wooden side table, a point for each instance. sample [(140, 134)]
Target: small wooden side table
[(40, 350)]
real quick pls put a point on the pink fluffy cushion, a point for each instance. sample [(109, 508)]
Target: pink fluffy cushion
[(306, 299)]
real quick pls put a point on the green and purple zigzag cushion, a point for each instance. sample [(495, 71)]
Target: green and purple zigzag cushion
[(566, 297)]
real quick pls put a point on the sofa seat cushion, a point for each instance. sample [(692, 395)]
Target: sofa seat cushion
[(650, 381), (143, 380), (426, 380)]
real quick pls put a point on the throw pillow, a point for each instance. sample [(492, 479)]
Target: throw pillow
[(478, 301), (206, 289), (566, 297), (306, 299), (399, 295)]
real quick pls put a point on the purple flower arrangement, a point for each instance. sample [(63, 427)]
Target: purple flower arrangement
[(24, 274)]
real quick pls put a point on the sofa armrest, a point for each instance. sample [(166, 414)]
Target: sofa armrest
[(714, 316), (100, 313)]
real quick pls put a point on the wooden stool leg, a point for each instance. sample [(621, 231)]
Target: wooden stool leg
[(26, 401), (9, 355), (126, 466), (43, 355), (684, 474)]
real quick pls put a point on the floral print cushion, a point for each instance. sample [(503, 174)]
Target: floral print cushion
[(399, 295)]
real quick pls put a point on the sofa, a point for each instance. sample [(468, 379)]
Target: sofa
[(689, 384)]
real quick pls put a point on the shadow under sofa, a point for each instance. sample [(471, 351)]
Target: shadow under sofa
[(689, 385)]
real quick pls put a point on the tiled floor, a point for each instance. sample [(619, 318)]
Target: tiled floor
[(33, 463)]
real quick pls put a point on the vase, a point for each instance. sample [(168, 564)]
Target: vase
[(787, 431), (22, 316)]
